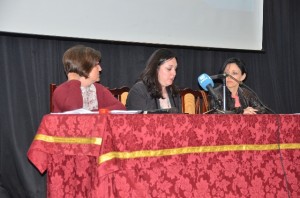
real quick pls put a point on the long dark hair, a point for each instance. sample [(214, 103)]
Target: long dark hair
[(150, 74)]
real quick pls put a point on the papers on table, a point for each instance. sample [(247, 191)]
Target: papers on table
[(78, 111), (125, 111), (85, 111)]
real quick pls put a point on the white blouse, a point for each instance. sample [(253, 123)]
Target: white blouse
[(89, 97)]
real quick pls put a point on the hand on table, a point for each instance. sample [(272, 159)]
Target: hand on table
[(250, 110)]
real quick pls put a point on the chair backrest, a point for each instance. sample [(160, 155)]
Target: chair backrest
[(120, 93), (204, 101), (193, 101), (52, 88)]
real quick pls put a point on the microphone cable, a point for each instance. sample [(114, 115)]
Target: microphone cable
[(280, 155), (277, 131), (247, 87)]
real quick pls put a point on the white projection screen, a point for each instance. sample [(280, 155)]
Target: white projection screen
[(230, 24)]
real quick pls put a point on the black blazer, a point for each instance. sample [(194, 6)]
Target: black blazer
[(247, 99), (140, 99)]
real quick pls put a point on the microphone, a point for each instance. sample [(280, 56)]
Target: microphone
[(219, 76), (207, 84), (233, 78)]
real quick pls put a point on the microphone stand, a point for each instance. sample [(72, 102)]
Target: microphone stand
[(223, 111), (224, 94)]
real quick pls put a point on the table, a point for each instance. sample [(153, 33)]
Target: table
[(169, 155)]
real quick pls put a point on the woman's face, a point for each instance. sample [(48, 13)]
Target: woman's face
[(234, 71), (167, 72), (94, 75)]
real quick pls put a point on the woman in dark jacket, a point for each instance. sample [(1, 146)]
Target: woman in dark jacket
[(239, 99), (155, 88)]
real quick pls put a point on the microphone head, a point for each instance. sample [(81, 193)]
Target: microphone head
[(204, 80)]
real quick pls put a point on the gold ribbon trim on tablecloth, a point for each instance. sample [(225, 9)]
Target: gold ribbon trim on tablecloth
[(68, 140), (191, 150)]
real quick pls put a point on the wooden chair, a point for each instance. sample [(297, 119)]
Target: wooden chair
[(52, 88), (204, 101), (120, 93), (193, 101)]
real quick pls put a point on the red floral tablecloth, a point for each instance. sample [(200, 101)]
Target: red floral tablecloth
[(172, 155), (67, 146)]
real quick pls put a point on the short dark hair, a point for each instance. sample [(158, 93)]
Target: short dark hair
[(237, 61), (81, 60), (150, 74)]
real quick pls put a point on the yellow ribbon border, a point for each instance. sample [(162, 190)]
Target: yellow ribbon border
[(68, 140), (190, 150)]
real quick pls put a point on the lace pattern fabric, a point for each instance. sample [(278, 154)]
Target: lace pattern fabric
[(89, 97)]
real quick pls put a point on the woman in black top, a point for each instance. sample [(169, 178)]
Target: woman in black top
[(239, 99), (154, 88)]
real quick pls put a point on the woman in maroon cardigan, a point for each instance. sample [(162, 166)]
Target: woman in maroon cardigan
[(82, 67)]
